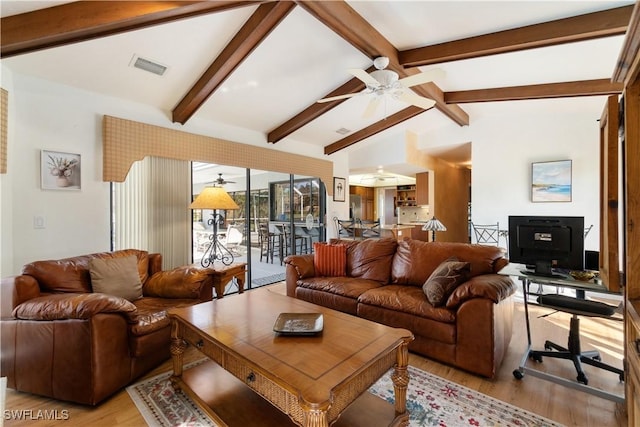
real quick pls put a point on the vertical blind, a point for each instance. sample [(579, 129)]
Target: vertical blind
[(151, 210)]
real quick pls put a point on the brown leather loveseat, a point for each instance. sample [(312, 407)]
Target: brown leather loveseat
[(384, 280), (62, 339)]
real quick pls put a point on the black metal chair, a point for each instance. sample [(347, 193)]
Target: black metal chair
[(487, 233), (344, 228), (370, 229), (576, 307)]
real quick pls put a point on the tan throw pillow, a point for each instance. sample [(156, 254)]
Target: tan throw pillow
[(445, 279), (116, 276), (329, 260)]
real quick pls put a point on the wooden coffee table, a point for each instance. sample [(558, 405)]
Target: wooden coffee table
[(308, 380)]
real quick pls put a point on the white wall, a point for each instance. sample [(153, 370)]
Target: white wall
[(507, 139), (48, 116)]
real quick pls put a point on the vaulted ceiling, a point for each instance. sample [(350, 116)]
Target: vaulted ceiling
[(263, 65)]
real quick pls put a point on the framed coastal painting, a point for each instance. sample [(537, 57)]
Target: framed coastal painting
[(59, 171), (339, 189), (551, 181)]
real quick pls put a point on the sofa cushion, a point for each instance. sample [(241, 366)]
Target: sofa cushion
[(415, 260), (71, 306), (406, 299), (180, 282), (116, 276), (444, 280), (351, 287), (329, 259), (72, 274), (370, 259)]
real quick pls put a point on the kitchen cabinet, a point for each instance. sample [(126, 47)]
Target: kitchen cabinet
[(405, 196), (422, 188), (366, 195)]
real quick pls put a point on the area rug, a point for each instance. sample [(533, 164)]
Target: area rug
[(431, 401), (434, 401)]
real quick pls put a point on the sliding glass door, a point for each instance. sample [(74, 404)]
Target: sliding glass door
[(279, 214)]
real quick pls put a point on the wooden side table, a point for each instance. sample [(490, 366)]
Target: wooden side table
[(222, 274)]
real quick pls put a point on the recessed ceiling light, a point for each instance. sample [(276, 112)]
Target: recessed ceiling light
[(148, 65), (343, 131)]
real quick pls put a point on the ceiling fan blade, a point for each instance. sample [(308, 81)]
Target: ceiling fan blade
[(371, 107), (419, 101), (418, 79), (365, 77), (336, 98)]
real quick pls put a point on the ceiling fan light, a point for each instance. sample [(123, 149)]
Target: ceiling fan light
[(381, 62), (386, 78)]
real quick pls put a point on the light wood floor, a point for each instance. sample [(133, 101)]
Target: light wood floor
[(558, 403)]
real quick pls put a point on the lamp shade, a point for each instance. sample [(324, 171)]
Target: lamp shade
[(434, 225), (213, 198)]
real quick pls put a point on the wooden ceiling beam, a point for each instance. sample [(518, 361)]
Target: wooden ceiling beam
[(542, 91), (606, 23), (347, 23), (85, 20), (315, 110), (373, 129), (252, 33), (343, 20)]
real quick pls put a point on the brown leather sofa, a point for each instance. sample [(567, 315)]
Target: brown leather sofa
[(383, 283), (61, 340)]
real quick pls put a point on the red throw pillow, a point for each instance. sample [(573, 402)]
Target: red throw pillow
[(329, 260)]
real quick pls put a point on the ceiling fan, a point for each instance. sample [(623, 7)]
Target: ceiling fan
[(222, 181), (383, 82), (379, 176)]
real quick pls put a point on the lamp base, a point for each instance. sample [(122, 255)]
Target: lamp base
[(216, 250)]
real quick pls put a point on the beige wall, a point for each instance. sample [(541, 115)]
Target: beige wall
[(451, 201), (451, 192)]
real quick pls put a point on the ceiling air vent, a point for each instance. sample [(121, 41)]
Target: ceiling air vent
[(148, 65), (343, 131)]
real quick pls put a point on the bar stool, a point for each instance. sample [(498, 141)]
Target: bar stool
[(306, 239), (267, 242), (300, 242)]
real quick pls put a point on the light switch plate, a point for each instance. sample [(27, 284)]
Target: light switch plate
[(38, 221)]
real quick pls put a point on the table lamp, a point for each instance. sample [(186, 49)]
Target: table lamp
[(433, 225), (215, 198)]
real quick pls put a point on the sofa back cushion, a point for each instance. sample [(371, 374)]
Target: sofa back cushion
[(415, 260), (370, 259), (180, 282), (72, 274)]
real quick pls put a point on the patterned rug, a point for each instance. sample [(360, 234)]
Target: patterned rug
[(434, 401), (431, 400)]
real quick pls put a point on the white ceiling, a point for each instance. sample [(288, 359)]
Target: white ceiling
[(302, 60)]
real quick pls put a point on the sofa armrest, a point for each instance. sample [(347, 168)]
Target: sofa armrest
[(155, 263), (72, 306), (181, 282), (15, 290), (298, 267), (495, 287)]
